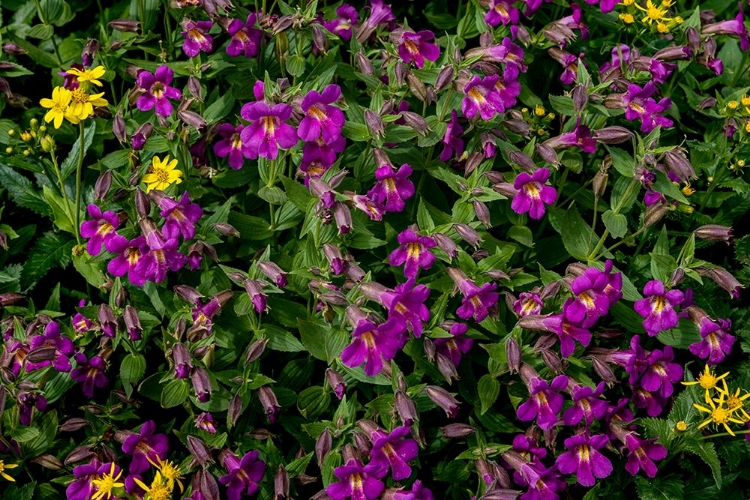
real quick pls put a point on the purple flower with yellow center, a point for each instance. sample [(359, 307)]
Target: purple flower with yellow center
[(455, 346), (393, 187), (322, 120), (231, 145), (205, 421), (99, 230), (639, 105), (415, 47), (145, 447), (90, 373), (661, 372), (734, 26), (528, 304), (196, 36), (477, 301), (242, 476), (373, 210), (579, 137), (508, 91), (652, 402), (413, 253), (642, 452), (356, 482), (568, 61), (52, 339), (81, 324), (560, 326), (129, 255), (391, 450), (658, 307), (82, 488), (584, 459), (372, 345), (590, 301), (452, 142), (179, 216), (343, 24), (533, 193), (27, 403), (587, 406), (405, 305), (543, 484), (501, 11), (716, 341), (510, 56), (245, 37), (160, 256), (482, 97), (544, 402), (157, 91), (268, 130)]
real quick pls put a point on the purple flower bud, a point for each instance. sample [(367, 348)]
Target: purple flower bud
[(406, 409), (255, 350), (79, 454), (269, 402), (457, 431), (254, 289), (226, 229), (416, 87), (714, 232), (522, 160), (199, 449), (580, 98), (447, 368), (468, 234), (613, 135), (201, 384), (723, 278), (194, 86), (446, 244), (119, 128), (444, 78), (513, 354), (415, 121), (654, 213), (107, 320), (182, 360), (365, 65), (336, 381), (679, 165), (547, 153), (374, 123), (103, 183), (343, 218), (73, 424), (193, 119), (323, 446), (132, 323), (443, 399), (273, 272), (281, 482), (517, 126), (125, 26)]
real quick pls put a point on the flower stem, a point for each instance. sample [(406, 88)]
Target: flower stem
[(79, 168), (721, 434), (62, 185)]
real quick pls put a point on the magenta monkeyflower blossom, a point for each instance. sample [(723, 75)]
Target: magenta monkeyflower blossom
[(405, 303), (568, 61), (242, 476), (27, 403), (543, 484), (452, 142), (81, 324), (83, 487), (457, 345), (482, 97), (372, 345), (180, 216), (145, 447), (586, 405), (197, 38), (417, 492), (161, 255), (590, 301), (642, 454), (321, 119), (205, 421), (379, 14), (415, 47), (533, 193), (393, 187), (90, 373), (544, 402), (652, 402), (413, 253), (100, 230), (613, 288), (477, 300), (639, 105), (605, 5), (343, 24), (51, 339), (373, 210), (560, 326), (583, 458), (129, 255), (355, 482), (716, 341), (268, 130), (231, 145), (734, 26), (528, 304), (157, 91), (245, 37), (658, 307), (501, 11), (661, 372), (579, 137), (390, 450)]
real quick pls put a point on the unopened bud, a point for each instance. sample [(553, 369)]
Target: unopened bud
[(679, 165), (365, 65), (416, 87), (677, 276), (457, 431), (444, 78), (255, 350), (323, 446), (374, 123), (547, 153), (415, 121), (405, 407), (483, 213), (513, 354), (654, 213), (522, 160), (125, 26), (580, 98), (226, 229), (517, 127), (442, 398), (613, 135), (193, 119), (715, 232), (468, 234), (600, 183)]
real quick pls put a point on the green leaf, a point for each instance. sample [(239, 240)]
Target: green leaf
[(281, 340), (249, 227), (220, 108), (662, 266), (51, 250), (174, 393), (667, 187), (681, 336), (706, 451), (562, 104), (424, 220), (71, 162), (313, 401), (131, 371), (575, 234), (42, 32), (24, 434), (153, 294), (88, 267), (667, 488), (295, 65), (59, 210), (273, 195), (489, 390), (21, 190), (38, 55), (616, 223), (297, 193), (522, 234), (357, 132), (313, 338), (623, 162)]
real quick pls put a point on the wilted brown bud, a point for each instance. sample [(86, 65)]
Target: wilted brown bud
[(457, 431), (715, 232), (374, 123), (654, 213), (48, 461), (600, 183), (416, 87), (679, 165)]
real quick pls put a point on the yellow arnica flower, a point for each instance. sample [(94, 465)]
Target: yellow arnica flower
[(707, 380), (88, 75), (161, 174), (106, 483), (718, 414), (82, 104), (58, 105), (4, 467), (160, 489), (171, 472), (735, 402)]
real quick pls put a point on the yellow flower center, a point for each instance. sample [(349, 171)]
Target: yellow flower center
[(412, 47), (707, 380), (476, 96), (317, 113), (157, 89), (531, 189), (79, 96), (583, 453), (733, 104), (106, 483), (413, 250), (161, 175), (720, 415), (236, 141)]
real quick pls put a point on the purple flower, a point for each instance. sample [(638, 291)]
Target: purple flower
[(413, 253), (405, 304), (583, 458), (205, 421), (157, 91), (342, 25), (477, 300), (457, 345), (662, 372), (81, 324), (393, 187), (716, 341), (586, 405), (379, 14), (268, 130), (734, 26), (652, 402), (27, 403), (501, 11), (639, 105), (161, 255), (579, 137), (533, 193), (452, 142), (51, 339), (145, 447), (373, 210), (197, 38), (83, 487), (245, 37), (560, 326), (528, 304), (129, 255), (642, 454), (100, 230), (590, 301), (658, 308), (390, 450), (415, 47), (372, 344), (568, 61), (613, 288), (179, 216), (417, 492), (482, 97), (321, 119), (605, 5), (510, 56), (543, 484), (231, 145), (355, 482), (242, 476), (544, 402), (90, 373)]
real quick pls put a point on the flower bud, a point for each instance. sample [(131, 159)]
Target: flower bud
[(336, 381), (320, 40), (580, 98), (444, 78), (613, 135), (654, 213), (677, 276), (48, 144), (343, 218), (103, 183), (406, 409), (323, 446), (73, 424), (132, 323), (281, 482), (13, 49), (474, 160), (48, 461), (723, 278), (365, 65), (600, 183), (199, 450), (107, 320), (442, 398), (603, 370), (125, 26), (513, 354), (416, 87), (679, 165), (201, 384), (547, 153), (90, 48), (255, 350), (119, 128), (482, 212), (457, 431), (517, 127), (269, 402), (79, 454), (193, 119), (194, 86), (374, 123), (468, 234), (715, 232), (415, 121), (254, 289), (446, 244), (447, 368), (273, 272), (142, 203)]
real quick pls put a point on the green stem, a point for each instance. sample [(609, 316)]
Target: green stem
[(703, 438), (79, 169), (625, 239), (62, 184)]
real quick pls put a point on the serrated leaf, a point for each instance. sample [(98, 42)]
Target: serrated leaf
[(706, 451), (668, 488), (51, 250), (617, 224), (71, 161), (21, 191), (59, 210)]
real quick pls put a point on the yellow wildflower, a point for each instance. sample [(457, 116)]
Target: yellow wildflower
[(170, 471), (539, 110), (718, 415), (82, 104), (106, 483), (159, 489), (745, 100), (735, 402), (58, 105), (4, 467), (627, 18), (161, 174), (687, 190), (88, 75), (707, 380), (680, 426)]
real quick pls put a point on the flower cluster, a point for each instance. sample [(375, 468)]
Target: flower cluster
[(75, 104)]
